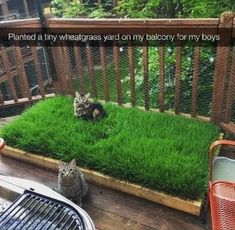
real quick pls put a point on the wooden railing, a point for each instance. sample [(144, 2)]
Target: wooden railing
[(69, 62)]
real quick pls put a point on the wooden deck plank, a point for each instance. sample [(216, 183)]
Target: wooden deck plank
[(147, 213), (110, 209), (110, 221)]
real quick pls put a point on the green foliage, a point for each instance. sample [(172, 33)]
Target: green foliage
[(98, 13), (146, 9), (143, 8), (173, 8), (169, 154), (74, 8), (206, 8), (64, 8)]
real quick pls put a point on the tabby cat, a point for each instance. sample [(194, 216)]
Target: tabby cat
[(71, 182), (87, 110)]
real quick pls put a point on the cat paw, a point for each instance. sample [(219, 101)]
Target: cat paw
[(55, 189)]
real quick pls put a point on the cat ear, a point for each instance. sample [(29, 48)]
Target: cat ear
[(61, 164), (77, 94), (87, 95), (73, 163)]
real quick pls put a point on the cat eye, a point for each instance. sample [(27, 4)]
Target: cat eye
[(71, 171)]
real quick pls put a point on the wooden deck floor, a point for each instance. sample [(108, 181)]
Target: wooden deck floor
[(111, 210)]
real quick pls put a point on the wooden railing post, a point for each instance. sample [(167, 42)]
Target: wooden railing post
[(90, 59), (68, 69), (5, 10), (146, 74), (21, 69), (161, 78), (195, 81), (221, 65), (79, 68), (230, 92), (60, 83), (132, 73), (7, 66), (38, 71), (116, 60), (104, 71), (177, 78)]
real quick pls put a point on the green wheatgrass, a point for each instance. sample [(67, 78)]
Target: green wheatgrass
[(164, 152)]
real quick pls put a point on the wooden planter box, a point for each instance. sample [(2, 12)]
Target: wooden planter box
[(192, 207)]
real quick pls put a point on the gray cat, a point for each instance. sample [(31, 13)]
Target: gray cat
[(71, 182), (87, 110)]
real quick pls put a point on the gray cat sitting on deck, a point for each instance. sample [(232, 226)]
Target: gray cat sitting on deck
[(71, 182), (87, 110)]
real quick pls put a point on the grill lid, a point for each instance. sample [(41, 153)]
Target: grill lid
[(32, 211)]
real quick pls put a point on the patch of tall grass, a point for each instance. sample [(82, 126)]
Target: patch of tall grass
[(159, 151)]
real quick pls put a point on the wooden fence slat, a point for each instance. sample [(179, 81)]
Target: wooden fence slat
[(21, 69), (114, 4), (79, 66), (177, 78), (104, 70), (7, 67), (132, 73), (116, 59), (68, 69), (61, 84), (146, 75), (1, 97), (38, 70), (161, 78), (221, 65), (91, 69), (195, 81), (3, 78), (231, 91), (219, 82)]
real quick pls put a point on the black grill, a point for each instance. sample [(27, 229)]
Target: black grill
[(35, 212)]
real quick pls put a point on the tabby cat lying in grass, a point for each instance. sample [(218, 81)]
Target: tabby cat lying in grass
[(71, 182), (87, 110)]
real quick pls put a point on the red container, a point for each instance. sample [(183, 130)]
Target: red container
[(222, 202)]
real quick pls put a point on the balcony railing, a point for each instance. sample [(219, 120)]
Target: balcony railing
[(123, 64)]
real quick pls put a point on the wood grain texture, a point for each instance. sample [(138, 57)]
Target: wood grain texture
[(68, 69), (7, 68), (161, 78), (21, 68), (79, 68), (195, 81), (131, 72), (61, 84), (230, 100), (110, 210), (38, 71), (104, 70), (177, 78), (116, 60), (146, 75), (221, 68), (92, 76), (97, 178)]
